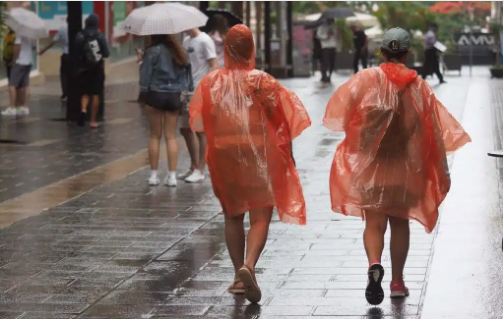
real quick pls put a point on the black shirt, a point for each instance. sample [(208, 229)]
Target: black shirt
[(359, 39)]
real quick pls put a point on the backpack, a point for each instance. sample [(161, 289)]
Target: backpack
[(91, 50), (8, 49)]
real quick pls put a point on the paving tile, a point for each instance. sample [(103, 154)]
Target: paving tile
[(126, 250)]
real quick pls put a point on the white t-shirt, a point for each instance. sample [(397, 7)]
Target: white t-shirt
[(26, 51), (200, 49), (219, 47), (62, 38), (327, 35)]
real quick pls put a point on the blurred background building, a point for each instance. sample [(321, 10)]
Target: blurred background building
[(472, 31)]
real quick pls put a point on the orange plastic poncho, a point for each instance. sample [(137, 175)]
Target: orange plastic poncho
[(393, 158), (250, 120)]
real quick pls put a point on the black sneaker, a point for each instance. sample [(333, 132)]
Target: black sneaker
[(82, 118), (374, 291)]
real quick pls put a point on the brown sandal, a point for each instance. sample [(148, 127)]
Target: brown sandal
[(252, 291), (234, 288)]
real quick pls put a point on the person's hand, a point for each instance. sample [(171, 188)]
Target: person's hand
[(139, 54)]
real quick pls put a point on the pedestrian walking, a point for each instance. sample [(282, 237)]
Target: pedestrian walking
[(250, 120), (61, 38), (317, 54), (431, 59), (92, 49), (219, 28), (327, 34), (391, 167), (19, 78), (164, 76), (203, 58), (360, 47)]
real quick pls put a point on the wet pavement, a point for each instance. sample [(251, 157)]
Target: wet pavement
[(122, 249)]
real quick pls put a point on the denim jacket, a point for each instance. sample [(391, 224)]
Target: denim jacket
[(160, 73)]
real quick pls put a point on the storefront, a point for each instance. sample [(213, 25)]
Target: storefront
[(112, 15)]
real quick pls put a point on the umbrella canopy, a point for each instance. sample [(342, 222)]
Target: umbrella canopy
[(26, 23), (333, 13), (363, 19), (231, 18), (163, 18), (337, 13)]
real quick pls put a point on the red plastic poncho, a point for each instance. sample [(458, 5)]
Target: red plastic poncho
[(393, 158), (250, 120)]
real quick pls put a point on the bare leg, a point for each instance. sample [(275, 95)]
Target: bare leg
[(235, 240), (376, 226), (12, 96), (258, 234), (399, 246), (84, 103), (156, 127), (202, 150), (21, 96), (190, 140), (95, 103), (170, 131)]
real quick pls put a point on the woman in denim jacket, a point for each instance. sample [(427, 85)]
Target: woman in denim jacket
[(164, 76)]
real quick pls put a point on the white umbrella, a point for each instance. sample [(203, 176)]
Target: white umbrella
[(365, 20), (163, 18), (26, 23)]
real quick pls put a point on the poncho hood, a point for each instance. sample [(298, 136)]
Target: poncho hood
[(239, 48), (399, 74)]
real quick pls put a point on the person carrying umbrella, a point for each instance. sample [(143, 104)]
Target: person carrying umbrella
[(391, 167), (165, 75), (327, 34), (250, 120), (28, 27)]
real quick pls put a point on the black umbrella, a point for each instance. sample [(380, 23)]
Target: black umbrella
[(337, 13), (333, 13), (231, 18)]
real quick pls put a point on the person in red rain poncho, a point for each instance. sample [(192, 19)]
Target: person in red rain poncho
[(250, 121), (391, 166)]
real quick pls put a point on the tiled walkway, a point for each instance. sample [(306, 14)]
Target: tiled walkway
[(123, 249)]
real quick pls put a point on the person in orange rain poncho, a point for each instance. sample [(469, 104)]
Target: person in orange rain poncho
[(392, 165), (250, 120)]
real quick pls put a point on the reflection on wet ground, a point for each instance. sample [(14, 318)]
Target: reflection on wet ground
[(126, 250)]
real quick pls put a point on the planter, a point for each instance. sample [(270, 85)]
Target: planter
[(452, 62), (496, 72)]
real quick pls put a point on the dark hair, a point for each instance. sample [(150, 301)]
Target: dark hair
[(179, 53), (394, 55), (219, 23), (92, 21)]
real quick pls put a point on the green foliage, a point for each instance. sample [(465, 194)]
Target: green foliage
[(309, 7), (345, 33), (3, 7), (410, 15)]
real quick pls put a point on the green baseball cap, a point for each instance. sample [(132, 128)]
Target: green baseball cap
[(396, 40)]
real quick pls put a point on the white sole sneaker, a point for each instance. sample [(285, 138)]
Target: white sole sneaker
[(170, 181), (185, 175), (195, 177), (153, 181)]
